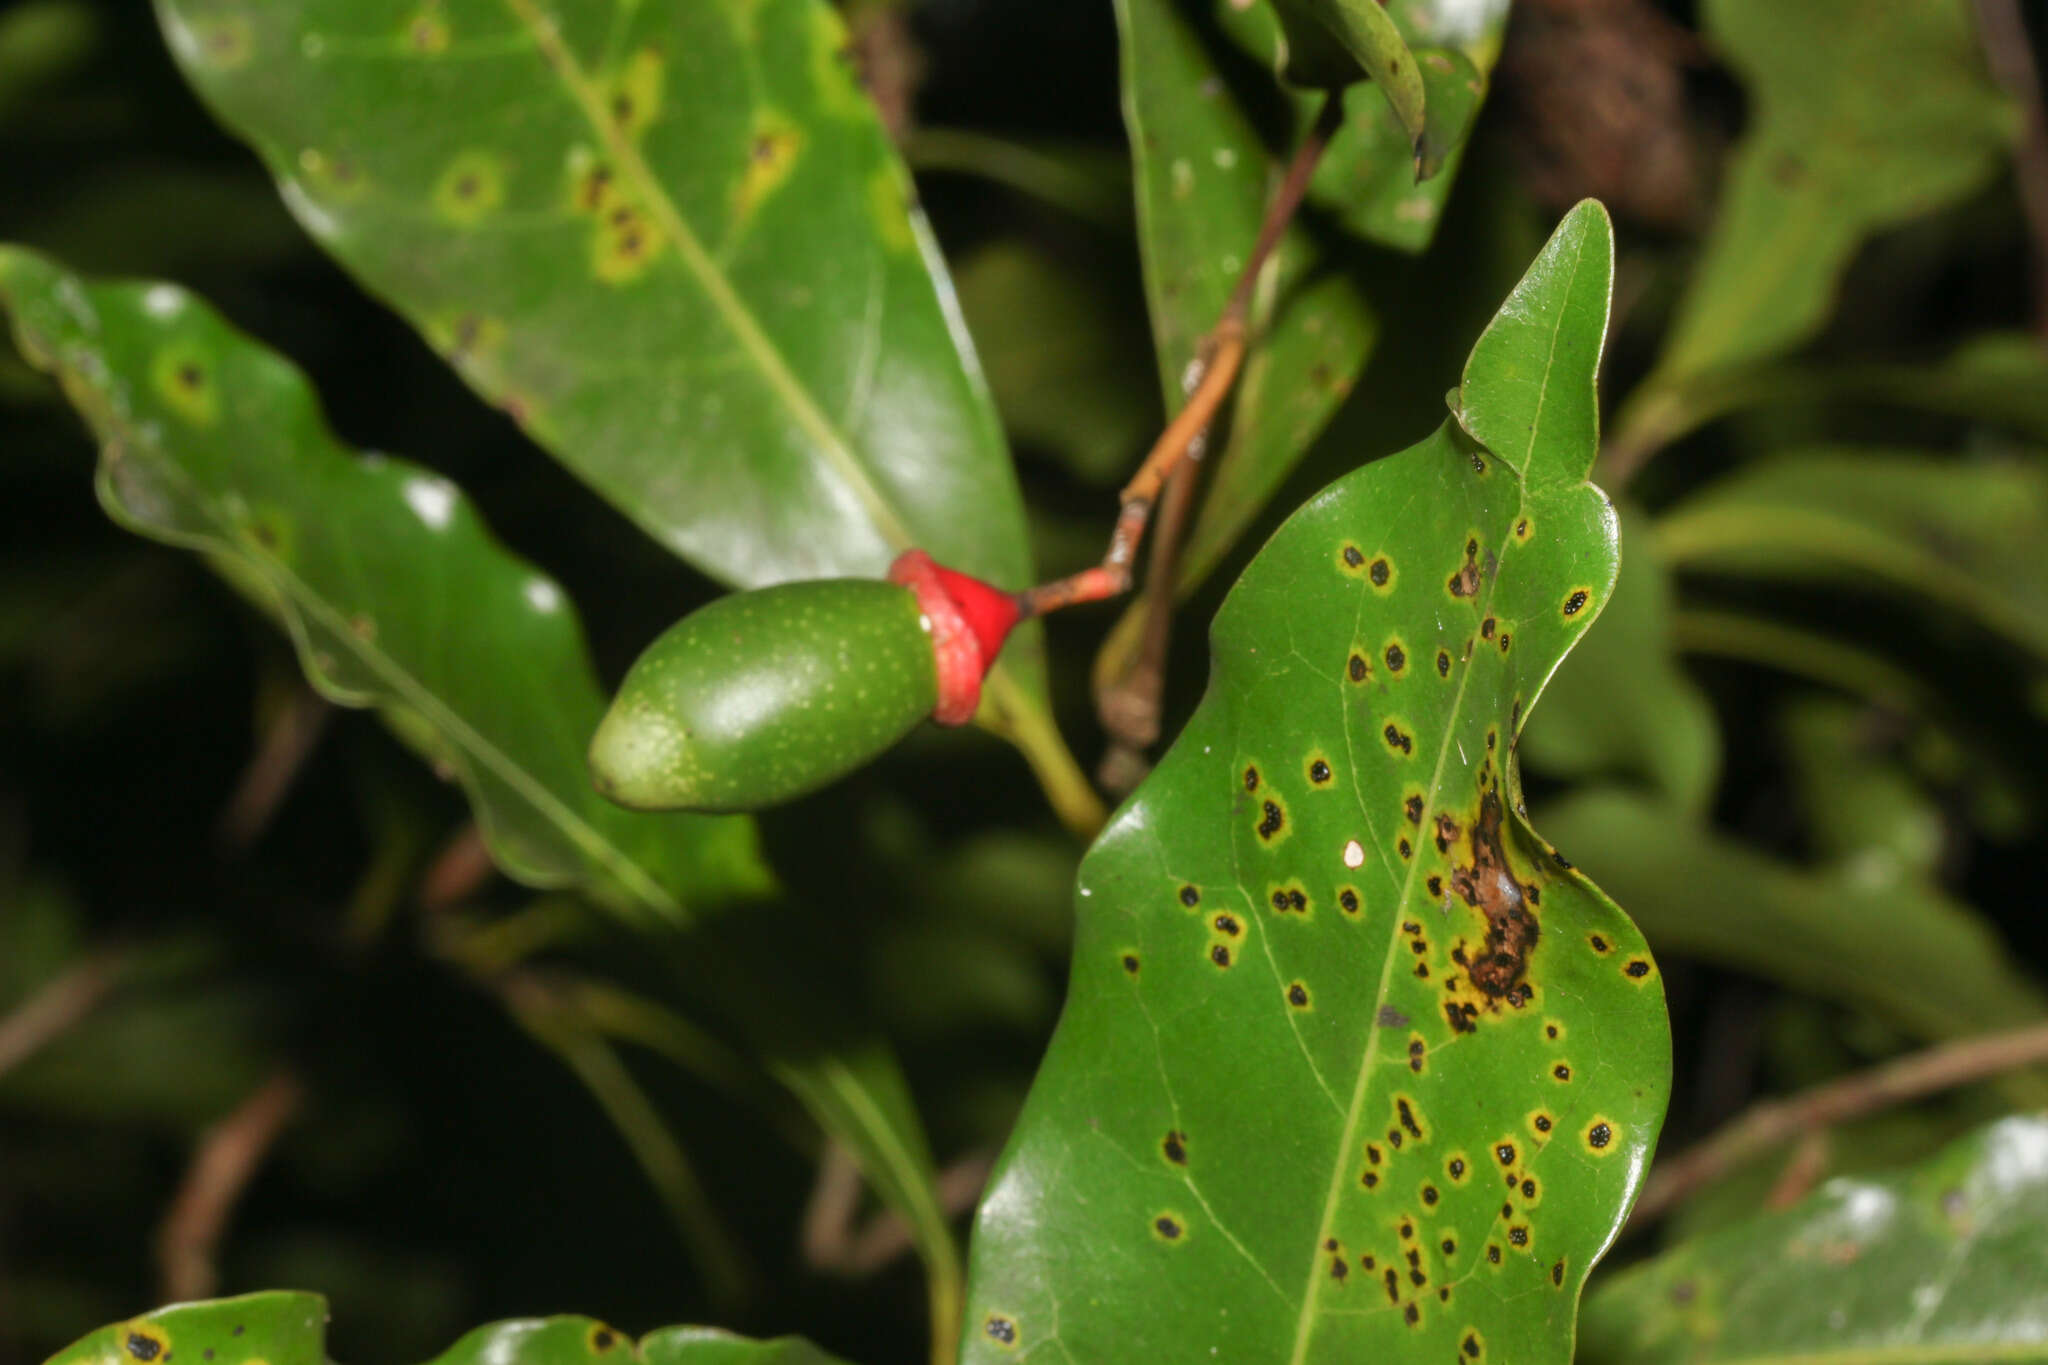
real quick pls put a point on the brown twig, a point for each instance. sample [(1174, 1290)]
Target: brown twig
[(1129, 707), (458, 871), (228, 1157), (1896, 1082), (834, 1244), (2010, 55), (288, 741), (56, 1008), (1217, 362)]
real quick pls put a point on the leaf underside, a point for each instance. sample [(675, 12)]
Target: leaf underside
[(1353, 1063)]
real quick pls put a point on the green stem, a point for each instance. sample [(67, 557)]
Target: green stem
[(1024, 169)]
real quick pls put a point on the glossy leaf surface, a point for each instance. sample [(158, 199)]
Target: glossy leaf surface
[(1868, 934), (1657, 727), (398, 598), (284, 1328), (1352, 1067), (1941, 1262), (672, 241), (1210, 141), (1963, 535), (254, 1329), (1898, 118), (393, 589), (670, 237)]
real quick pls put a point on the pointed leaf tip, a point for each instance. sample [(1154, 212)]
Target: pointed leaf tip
[(1529, 389)]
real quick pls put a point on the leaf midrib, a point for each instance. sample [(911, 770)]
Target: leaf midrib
[(1306, 1318), (761, 349)]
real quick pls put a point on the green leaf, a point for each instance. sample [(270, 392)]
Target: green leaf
[(283, 1328), (393, 589), (672, 241), (1332, 1001), (1658, 728), (1206, 157), (1863, 117), (640, 228), (1862, 933), (1961, 535), (277, 1328), (569, 1340), (1940, 1262), (397, 597), (1321, 33)]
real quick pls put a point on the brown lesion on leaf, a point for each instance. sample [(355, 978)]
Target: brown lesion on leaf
[(1174, 1147), (1271, 826), (1465, 579), (1169, 1227), (145, 1342), (1350, 901), (1489, 885), (1356, 667)]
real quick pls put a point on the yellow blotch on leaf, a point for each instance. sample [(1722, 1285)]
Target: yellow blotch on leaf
[(889, 199), (182, 375), (142, 1342), (633, 96), (426, 33), (625, 243), (772, 151), (471, 188)]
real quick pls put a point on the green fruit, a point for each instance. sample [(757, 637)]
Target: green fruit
[(766, 695)]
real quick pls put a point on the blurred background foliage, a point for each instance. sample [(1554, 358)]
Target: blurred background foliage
[(1804, 746)]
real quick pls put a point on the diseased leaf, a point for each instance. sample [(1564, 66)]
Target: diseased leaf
[(672, 240), (1352, 1066), (393, 589), (1962, 535), (1210, 138), (283, 1328), (1864, 934), (277, 1328), (570, 1340), (1939, 1262), (1655, 726), (1898, 118), (397, 597)]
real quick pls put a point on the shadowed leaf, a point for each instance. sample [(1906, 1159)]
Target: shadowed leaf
[(393, 589), (1658, 728), (1352, 1065), (1869, 934), (1962, 535), (1210, 139), (1939, 1262), (1865, 116)]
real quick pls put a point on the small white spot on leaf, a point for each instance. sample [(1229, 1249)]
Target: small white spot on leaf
[(163, 301), (543, 595), (1354, 854), (432, 499)]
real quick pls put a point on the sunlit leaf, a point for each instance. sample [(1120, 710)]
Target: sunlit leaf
[(394, 590), (256, 1329), (1940, 1262), (671, 239), (281, 1328), (1352, 1065)]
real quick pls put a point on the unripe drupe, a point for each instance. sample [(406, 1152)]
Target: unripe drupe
[(763, 696)]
